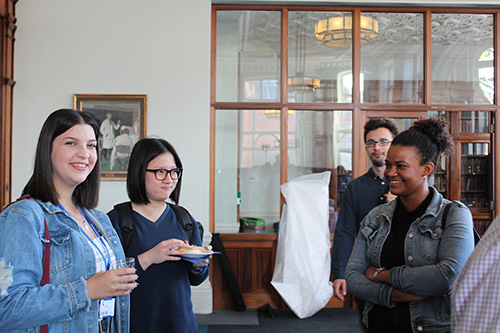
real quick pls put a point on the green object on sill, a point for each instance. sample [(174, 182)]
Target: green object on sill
[(252, 222)]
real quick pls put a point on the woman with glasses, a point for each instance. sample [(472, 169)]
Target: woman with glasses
[(407, 254), (162, 301)]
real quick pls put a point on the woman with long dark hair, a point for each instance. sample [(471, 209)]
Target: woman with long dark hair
[(82, 291)]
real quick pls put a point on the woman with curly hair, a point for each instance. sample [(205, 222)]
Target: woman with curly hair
[(406, 259)]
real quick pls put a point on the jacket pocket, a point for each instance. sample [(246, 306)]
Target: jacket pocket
[(369, 231), (429, 243), (374, 239), (60, 250)]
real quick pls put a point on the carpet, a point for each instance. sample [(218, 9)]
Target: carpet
[(228, 317), (284, 320)]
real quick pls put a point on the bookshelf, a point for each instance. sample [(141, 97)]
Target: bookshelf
[(474, 122), (474, 175), (473, 145), (440, 176)]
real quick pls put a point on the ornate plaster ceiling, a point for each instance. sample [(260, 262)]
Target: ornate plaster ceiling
[(261, 31)]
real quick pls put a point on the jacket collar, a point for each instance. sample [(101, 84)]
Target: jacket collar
[(434, 208), (48, 206), (374, 175)]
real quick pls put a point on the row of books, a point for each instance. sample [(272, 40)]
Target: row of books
[(480, 148), (440, 183), (473, 183), (475, 200), (474, 122), (473, 165)]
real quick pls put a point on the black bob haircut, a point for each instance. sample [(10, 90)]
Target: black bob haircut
[(41, 185), (143, 152)]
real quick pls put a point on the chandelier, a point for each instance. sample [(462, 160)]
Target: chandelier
[(276, 113), (337, 31), (301, 82)]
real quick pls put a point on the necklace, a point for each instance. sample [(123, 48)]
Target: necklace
[(88, 232), (85, 224), (83, 221), (80, 220)]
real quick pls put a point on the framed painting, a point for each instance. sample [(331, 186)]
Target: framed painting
[(122, 122)]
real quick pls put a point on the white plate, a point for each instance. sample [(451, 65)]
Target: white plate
[(196, 255)]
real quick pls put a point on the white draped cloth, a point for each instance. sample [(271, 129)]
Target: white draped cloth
[(302, 270)]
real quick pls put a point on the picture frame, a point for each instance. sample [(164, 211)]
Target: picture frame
[(122, 122)]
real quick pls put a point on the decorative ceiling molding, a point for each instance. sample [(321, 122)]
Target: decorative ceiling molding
[(260, 36)]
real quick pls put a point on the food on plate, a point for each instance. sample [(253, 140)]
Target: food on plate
[(192, 248)]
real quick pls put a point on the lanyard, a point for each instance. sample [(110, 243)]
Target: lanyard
[(108, 262)]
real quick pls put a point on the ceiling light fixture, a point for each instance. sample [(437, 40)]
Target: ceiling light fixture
[(276, 113), (337, 31), (300, 82)]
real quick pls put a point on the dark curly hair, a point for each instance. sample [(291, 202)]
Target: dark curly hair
[(429, 136), (376, 123)]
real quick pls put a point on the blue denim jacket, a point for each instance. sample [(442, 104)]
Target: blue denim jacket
[(64, 302), (434, 258)]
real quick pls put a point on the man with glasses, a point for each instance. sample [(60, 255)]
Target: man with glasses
[(361, 195)]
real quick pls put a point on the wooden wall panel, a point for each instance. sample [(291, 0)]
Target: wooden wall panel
[(7, 32), (252, 257), (264, 272), (252, 260), (246, 279)]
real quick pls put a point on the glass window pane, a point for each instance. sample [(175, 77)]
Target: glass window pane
[(247, 163), (319, 57), (438, 177), (461, 71), (322, 141), (392, 61), (475, 175), (248, 56), (474, 122)]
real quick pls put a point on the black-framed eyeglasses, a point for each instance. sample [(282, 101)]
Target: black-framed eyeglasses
[(161, 174), (381, 142)]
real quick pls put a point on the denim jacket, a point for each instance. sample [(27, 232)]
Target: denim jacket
[(63, 303), (433, 259)]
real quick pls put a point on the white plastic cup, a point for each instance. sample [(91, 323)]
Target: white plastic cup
[(128, 262)]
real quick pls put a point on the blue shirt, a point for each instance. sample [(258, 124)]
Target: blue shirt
[(63, 303), (361, 195), (162, 301)]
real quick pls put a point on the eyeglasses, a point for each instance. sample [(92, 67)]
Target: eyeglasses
[(161, 174), (381, 142)]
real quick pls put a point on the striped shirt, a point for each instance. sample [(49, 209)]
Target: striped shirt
[(100, 244), (476, 296)]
